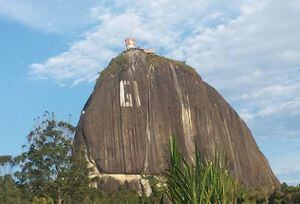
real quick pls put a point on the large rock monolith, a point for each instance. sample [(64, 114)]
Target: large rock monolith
[(141, 99)]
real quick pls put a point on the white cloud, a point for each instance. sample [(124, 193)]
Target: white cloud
[(158, 24), (87, 57), (49, 15), (253, 60), (291, 106)]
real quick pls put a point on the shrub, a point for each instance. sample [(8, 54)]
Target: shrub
[(204, 182)]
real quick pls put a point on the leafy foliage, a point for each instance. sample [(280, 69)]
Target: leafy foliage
[(37, 200), (204, 182), (124, 196), (209, 182), (48, 169), (77, 188), (287, 194), (9, 193)]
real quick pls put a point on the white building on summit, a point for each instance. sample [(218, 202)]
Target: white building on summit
[(130, 43)]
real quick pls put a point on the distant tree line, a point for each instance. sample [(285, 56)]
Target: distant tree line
[(50, 171)]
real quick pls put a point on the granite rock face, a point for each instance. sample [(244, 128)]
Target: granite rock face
[(140, 100)]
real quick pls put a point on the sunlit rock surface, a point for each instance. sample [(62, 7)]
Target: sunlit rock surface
[(141, 99)]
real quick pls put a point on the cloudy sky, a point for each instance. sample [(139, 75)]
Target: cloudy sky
[(52, 50)]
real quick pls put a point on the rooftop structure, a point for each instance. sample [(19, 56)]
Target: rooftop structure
[(130, 43), (149, 51)]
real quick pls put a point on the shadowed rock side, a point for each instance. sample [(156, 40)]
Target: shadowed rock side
[(140, 100)]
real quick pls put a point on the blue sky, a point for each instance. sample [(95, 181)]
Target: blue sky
[(51, 52)]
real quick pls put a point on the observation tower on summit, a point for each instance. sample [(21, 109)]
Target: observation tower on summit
[(130, 43)]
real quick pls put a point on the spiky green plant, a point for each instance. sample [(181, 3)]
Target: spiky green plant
[(206, 181)]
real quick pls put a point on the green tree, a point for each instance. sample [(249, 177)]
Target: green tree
[(9, 193), (47, 168), (78, 188), (37, 200), (291, 194)]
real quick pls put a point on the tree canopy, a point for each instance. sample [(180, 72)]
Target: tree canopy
[(47, 167)]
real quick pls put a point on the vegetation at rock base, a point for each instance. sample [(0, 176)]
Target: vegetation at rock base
[(204, 182), (209, 182), (287, 194), (9, 192), (47, 172), (47, 169)]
